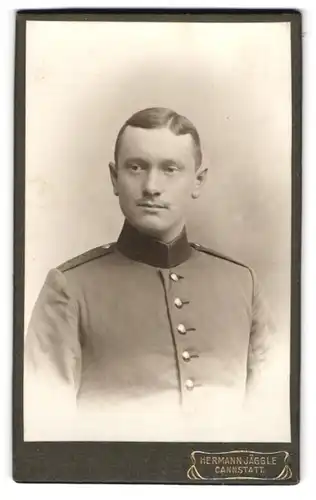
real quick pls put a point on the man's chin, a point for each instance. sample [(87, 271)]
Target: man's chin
[(152, 226), (156, 231)]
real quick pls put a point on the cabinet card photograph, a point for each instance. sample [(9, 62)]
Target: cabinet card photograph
[(157, 242)]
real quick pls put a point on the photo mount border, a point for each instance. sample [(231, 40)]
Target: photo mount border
[(149, 462)]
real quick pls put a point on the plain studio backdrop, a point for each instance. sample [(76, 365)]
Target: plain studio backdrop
[(233, 81)]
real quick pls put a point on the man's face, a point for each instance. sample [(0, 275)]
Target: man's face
[(155, 179)]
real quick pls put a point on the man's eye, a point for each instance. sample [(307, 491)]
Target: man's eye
[(170, 169), (134, 167)]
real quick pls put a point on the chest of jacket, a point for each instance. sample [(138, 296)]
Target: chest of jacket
[(146, 330)]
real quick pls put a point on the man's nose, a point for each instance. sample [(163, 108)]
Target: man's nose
[(152, 183)]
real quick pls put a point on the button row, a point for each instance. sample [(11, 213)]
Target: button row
[(186, 356)]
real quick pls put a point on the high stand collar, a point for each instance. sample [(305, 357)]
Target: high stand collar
[(144, 248)]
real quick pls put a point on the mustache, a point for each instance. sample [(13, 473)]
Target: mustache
[(152, 203)]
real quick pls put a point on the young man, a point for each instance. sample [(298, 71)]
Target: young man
[(151, 323)]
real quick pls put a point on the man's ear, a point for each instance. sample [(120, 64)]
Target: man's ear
[(200, 178), (113, 174)]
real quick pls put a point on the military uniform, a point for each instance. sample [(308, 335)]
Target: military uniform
[(140, 327)]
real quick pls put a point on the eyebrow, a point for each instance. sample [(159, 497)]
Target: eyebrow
[(135, 159), (170, 161)]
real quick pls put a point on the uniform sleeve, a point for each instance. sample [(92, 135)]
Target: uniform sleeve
[(52, 362), (262, 341), (266, 415)]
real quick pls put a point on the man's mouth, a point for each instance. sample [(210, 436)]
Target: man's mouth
[(149, 204)]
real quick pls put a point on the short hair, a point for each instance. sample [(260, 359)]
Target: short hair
[(156, 117)]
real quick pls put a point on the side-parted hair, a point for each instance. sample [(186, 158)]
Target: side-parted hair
[(154, 118)]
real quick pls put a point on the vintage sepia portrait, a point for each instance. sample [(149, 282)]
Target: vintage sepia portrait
[(158, 231)]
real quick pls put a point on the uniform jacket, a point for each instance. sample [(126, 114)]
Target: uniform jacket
[(139, 328)]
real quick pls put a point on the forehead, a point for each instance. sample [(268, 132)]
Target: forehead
[(155, 144)]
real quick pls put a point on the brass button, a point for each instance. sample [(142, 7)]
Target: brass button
[(186, 356), (178, 303), (181, 329), (189, 384), (174, 277)]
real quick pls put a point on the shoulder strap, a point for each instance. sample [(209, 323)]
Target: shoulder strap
[(92, 254), (209, 251)]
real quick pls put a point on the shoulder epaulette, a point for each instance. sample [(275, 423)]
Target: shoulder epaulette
[(209, 251), (92, 254)]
